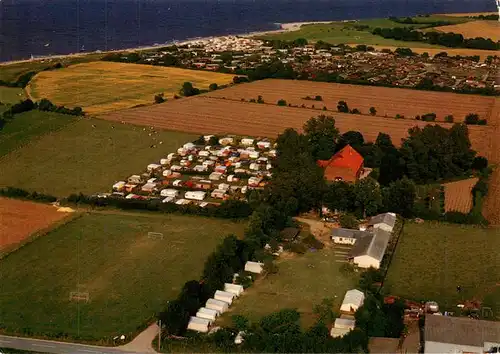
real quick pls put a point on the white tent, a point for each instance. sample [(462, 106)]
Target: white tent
[(217, 305), (224, 296), (233, 288), (254, 267), (353, 300), (208, 314), (198, 324)]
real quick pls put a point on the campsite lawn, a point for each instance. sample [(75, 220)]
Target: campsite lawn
[(86, 156), (27, 126), (106, 86), (129, 276), (346, 33), (432, 259), (10, 95), (301, 283)]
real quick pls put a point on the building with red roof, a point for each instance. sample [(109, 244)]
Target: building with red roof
[(345, 165)]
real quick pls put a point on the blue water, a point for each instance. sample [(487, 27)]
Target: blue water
[(45, 27)]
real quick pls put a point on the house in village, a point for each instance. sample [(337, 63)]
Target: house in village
[(446, 334), (369, 250), (346, 165)]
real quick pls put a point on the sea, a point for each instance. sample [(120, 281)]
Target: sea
[(49, 27)]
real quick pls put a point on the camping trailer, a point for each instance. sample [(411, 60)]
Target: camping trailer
[(217, 305), (233, 288), (224, 296), (208, 314), (254, 267)]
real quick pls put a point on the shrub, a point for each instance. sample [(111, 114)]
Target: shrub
[(429, 117), (318, 98), (282, 102), (448, 118), (480, 163), (159, 98), (355, 111), (342, 107), (373, 111), (213, 87), (298, 248), (312, 242), (348, 221), (260, 99)]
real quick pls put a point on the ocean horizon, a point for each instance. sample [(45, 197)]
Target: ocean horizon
[(58, 27)]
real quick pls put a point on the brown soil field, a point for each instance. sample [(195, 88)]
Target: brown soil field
[(483, 54), (492, 203), (387, 101), (458, 195), (20, 219), (204, 115), (473, 29)]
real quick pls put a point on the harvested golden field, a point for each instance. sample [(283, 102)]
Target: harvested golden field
[(100, 87), (458, 195), (204, 115), (387, 101), (483, 54), (466, 14), (473, 29), (20, 219)]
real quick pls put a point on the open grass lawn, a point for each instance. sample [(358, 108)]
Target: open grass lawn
[(346, 33), (301, 282), (87, 156), (10, 72), (28, 126), (10, 95), (432, 259), (129, 276), (106, 86)]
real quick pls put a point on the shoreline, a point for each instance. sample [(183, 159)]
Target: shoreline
[(284, 27)]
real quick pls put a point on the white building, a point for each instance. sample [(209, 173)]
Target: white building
[(254, 267), (384, 221), (224, 296), (236, 289), (198, 324), (220, 306), (353, 300), (153, 167), (342, 326), (195, 195), (446, 334), (208, 314), (347, 236), (369, 251)]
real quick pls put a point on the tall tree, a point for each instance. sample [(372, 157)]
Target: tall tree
[(353, 138), (340, 196), (322, 136), (368, 196), (399, 197)]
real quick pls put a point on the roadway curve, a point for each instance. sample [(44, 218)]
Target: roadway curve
[(48, 346)]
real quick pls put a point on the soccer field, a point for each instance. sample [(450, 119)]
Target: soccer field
[(87, 156), (101, 86), (128, 275), (432, 259)]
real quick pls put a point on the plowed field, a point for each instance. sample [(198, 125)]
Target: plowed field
[(20, 219), (486, 29), (387, 101), (458, 195), (205, 115)]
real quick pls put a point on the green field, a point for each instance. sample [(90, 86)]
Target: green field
[(10, 72), (432, 259), (129, 276), (10, 95), (28, 126), (346, 33), (87, 156), (301, 282)]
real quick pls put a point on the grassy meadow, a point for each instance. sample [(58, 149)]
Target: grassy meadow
[(100, 87), (128, 275), (432, 259), (301, 282), (11, 95), (86, 156), (346, 33)]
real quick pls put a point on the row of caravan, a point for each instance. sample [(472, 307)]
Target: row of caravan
[(214, 307)]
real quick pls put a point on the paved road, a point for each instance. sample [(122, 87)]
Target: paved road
[(47, 346)]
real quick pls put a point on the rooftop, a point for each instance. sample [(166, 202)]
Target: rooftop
[(345, 158)]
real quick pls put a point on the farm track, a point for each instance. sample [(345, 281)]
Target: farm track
[(387, 101)]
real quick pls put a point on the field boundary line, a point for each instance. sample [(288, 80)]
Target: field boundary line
[(40, 233), (391, 257)]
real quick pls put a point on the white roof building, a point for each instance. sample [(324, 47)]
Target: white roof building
[(342, 326), (208, 314), (224, 296), (353, 300), (233, 288), (153, 166), (220, 306), (195, 195), (198, 324), (254, 267)]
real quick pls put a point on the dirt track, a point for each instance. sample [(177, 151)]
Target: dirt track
[(20, 219)]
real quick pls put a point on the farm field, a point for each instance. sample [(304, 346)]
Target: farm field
[(458, 195), (492, 202), (483, 54), (387, 101), (204, 115), (11, 95), (29, 126), (11, 71), (316, 274), (486, 29), (128, 275), (20, 219), (87, 156), (120, 85), (432, 259), (345, 32)]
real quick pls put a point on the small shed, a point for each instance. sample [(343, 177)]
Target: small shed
[(353, 300), (254, 267), (224, 296), (233, 288), (208, 314), (384, 221), (217, 305), (342, 326), (198, 324)]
